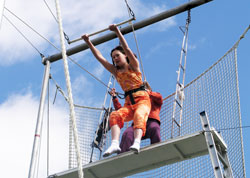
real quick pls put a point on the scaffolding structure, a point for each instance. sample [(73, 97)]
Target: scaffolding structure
[(208, 92)]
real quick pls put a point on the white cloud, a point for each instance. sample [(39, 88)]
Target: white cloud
[(18, 120), (143, 11), (19, 112), (91, 16), (13, 46), (82, 90), (78, 18)]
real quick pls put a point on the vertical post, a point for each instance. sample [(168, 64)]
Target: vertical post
[(37, 138), (211, 146)]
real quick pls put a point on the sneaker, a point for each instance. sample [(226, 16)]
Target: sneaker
[(111, 150)]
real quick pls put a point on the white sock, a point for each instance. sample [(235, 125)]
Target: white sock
[(115, 142), (114, 148), (137, 140), (136, 146)]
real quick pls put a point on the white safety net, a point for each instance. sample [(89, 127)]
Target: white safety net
[(215, 91)]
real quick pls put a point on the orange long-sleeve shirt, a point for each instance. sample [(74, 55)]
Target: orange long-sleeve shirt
[(156, 103)]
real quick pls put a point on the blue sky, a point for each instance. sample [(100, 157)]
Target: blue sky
[(214, 28)]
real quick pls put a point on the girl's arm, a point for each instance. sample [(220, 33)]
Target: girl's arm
[(98, 55), (156, 98), (116, 102), (133, 61)]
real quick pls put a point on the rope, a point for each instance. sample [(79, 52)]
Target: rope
[(234, 47), (131, 13), (243, 35), (67, 77), (24, 36), (238, 96)]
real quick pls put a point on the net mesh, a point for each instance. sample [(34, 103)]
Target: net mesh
[(215, 91)]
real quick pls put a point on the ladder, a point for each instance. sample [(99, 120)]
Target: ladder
[(217, 149), (179, 92)]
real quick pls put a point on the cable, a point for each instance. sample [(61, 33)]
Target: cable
[(50, 10), (52, 45), (129, 9), (118, 94), (31, 28), (59, 89), (131, 13), (23, 36), (49, 43), (65, 35), (233, 128)]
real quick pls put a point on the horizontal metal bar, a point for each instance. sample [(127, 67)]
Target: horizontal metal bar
[(103, 30), (128, 29)]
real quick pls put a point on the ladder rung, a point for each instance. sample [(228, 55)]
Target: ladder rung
[(182, 67), (176, 123), (181, 28), (180, 85), (178, 103), (183, 50)]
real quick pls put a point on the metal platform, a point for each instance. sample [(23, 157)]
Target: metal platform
[(151, 157)]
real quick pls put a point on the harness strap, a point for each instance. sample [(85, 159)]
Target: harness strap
[(130, 93)]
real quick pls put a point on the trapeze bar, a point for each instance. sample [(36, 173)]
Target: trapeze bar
[(100, 31), (128, 29), (151, 157)]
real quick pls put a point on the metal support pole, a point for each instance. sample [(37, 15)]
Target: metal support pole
[(128, 29), (211, 146), (37, 139)]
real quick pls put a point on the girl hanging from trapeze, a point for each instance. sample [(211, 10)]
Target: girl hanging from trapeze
[(126, 70)]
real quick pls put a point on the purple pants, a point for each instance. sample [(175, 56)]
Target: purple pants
[(152, 132)]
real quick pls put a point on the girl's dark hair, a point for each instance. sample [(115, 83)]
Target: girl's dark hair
[(119, 48)]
